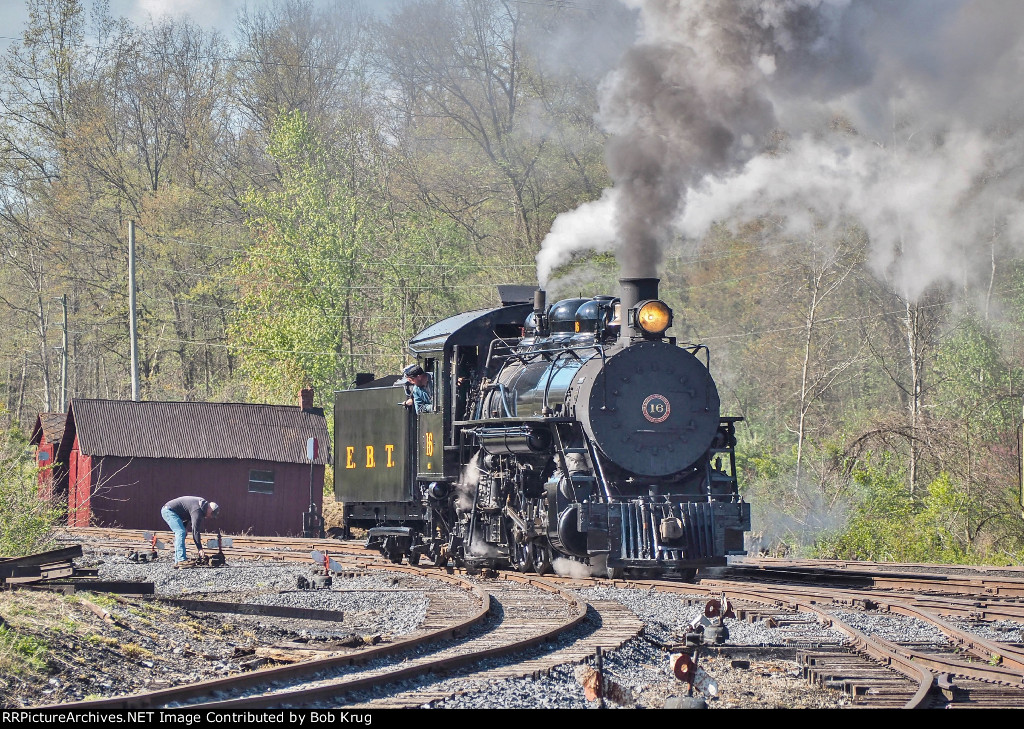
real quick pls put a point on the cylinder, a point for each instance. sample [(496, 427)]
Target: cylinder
[(514, 441), (539, 301)]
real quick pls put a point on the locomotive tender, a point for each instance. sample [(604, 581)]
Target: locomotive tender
[(577, 431)]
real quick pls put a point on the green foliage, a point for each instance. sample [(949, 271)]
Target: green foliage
[(26, 522), (19, 653), (887, 525), (880, 522), (974, 382), (941, 521), (762, 466), (334, 281)]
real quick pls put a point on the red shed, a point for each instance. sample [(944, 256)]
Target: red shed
[(46, 437), (124, 460)]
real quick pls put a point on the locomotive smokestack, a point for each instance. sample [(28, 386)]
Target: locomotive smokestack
[(540, 298), (634, 290), (631, 292)]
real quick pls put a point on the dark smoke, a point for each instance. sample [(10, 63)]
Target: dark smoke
[(670, 127), (928, 161)]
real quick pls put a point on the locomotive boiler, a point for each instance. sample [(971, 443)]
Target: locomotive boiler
[(577, 432)]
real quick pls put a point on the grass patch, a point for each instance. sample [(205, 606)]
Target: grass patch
[(26, 611), (191, 626), (137, 652), (96, 639), (104, 601), (21, 653)]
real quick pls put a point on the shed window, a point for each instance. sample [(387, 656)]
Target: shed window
[(261, 482)]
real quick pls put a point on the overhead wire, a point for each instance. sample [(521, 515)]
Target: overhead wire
[(737, 335), (270, 350), (367, 287), (361, 261)]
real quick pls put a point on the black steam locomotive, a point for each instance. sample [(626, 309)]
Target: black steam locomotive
[(575, 432)]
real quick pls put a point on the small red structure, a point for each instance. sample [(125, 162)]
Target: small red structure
[(46, 437), (121, 461)]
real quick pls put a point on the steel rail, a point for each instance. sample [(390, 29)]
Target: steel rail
[(906, 660), (1007, 656), (887, 653), (42, 558), (331, 689), (884, 651), (249, 608), (855, 565), (883, 576), (984, 649), (178, 694), (137, 535)]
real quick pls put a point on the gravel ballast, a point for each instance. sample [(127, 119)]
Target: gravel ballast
[(148, 645), (370, 602), (642, 666)]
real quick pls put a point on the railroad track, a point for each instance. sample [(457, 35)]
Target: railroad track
[(514, 618), (1004, 583), (439, 624), (942, 672), (526, 614), (616, 625), (961, 670)]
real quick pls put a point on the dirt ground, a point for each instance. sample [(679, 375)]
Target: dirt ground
[(58, 649)]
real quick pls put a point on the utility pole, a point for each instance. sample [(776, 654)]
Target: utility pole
[(64, 356), (133, 324), (21, 386)]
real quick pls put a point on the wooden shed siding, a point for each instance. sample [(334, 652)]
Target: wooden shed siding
[(131, 492), (79, 487), (46, 468)]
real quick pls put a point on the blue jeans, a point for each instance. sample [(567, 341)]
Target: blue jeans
[(178, 527)]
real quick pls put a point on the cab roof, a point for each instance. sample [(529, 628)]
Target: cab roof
[(471, 328)]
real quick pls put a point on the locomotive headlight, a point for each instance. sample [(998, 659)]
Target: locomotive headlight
[(654, 317)]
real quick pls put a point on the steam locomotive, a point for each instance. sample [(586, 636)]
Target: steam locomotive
[(574, 435)]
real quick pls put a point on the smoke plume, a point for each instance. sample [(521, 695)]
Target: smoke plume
[(901, 115)]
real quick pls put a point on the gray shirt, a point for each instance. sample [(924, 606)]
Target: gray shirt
[(191, 509)]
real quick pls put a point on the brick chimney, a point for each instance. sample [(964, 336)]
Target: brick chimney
[(306, 398)]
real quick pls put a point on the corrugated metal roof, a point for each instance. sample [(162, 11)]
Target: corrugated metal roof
[(198, 430), (51, 425)]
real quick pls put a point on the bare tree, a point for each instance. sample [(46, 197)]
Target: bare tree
[(825, 268), (297, 56), (487, 134)]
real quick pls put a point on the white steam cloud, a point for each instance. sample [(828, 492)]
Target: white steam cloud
[(571, 568), (900, 115), (590, 227)]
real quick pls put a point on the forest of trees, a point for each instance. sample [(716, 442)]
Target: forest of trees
[(317, 187)]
